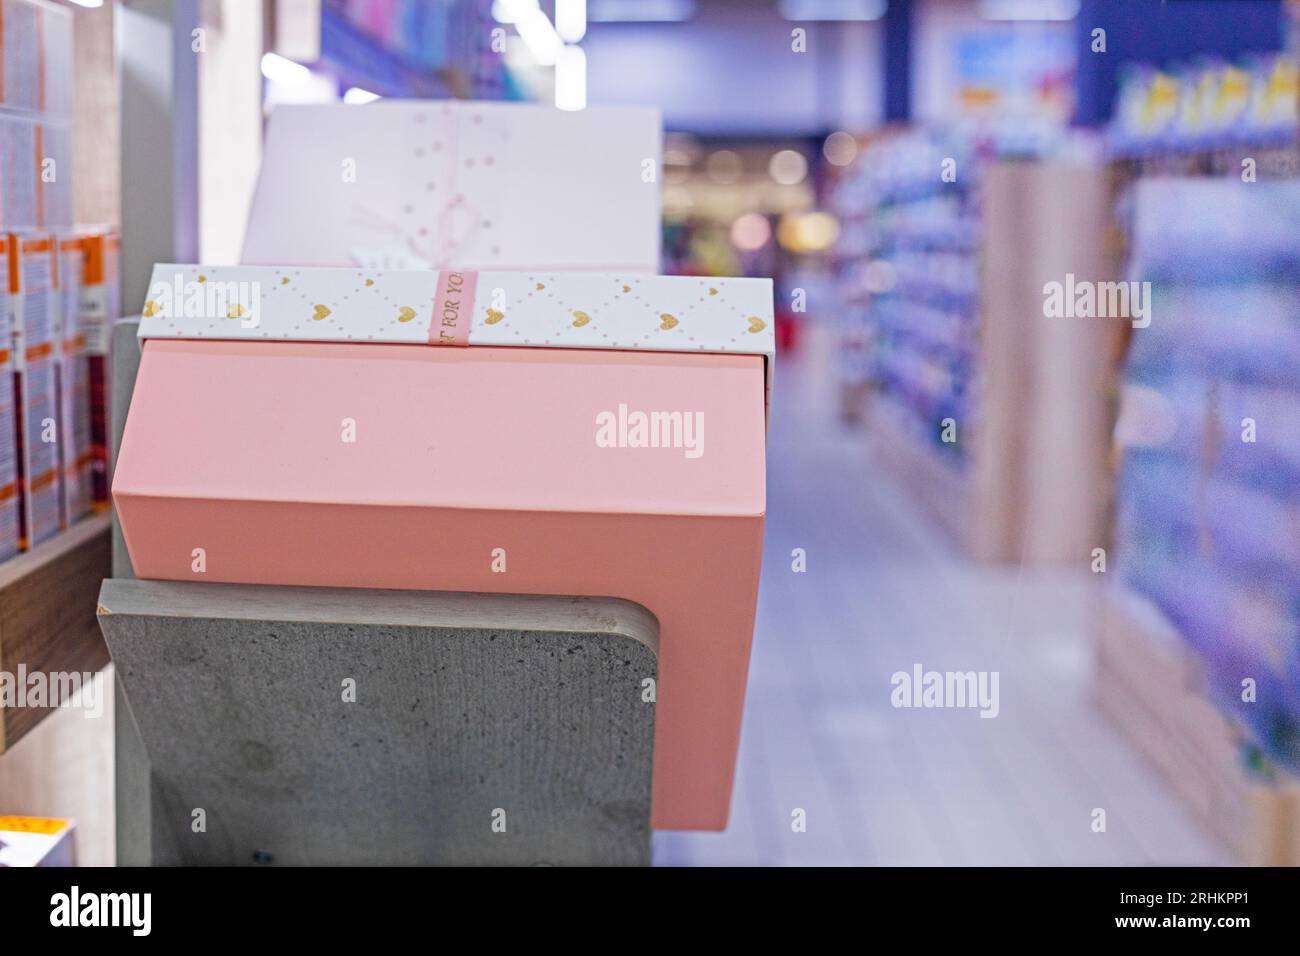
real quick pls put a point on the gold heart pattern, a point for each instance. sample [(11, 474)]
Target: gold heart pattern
[(617, 315)]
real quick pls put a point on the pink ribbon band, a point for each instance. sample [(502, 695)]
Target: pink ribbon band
[(453, 309)]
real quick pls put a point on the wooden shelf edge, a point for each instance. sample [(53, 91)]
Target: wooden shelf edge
[(47, 613), (77, 534)]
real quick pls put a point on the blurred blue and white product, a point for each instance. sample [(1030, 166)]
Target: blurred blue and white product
[(1208, 516), (910, 270), (1209, 103)]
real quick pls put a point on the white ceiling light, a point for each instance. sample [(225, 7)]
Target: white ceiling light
[(542, 40), (357, 95), (279, 69), (571, 79), (509, 11), (1029, 9), (571, 19)]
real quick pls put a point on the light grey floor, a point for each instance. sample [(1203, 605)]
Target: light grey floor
[(883, 786)]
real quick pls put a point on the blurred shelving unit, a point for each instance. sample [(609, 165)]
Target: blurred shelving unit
[(62, 87), (1199, 641), (432, 50), (947, 242), (60, 79)]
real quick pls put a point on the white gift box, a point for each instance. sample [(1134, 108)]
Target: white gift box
[(606, 310), (433, 184)]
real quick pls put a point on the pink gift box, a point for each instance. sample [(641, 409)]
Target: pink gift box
[(637, 475)]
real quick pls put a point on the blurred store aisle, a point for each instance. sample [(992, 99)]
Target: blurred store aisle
[(884, 591)]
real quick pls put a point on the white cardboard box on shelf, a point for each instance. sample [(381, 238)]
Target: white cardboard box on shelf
[(35, 172), (20, 175), (101, 306), (73, 376), (420, 184), (34, 296), (10, 491), (36, 53), (36, 56), (36, 841)]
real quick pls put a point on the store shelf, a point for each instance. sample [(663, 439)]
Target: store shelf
[(1201, 512), (907, 267), (47, 613), (947, 306), (1152, 687)]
